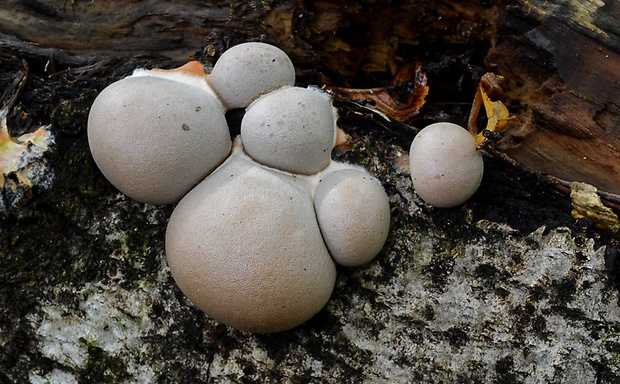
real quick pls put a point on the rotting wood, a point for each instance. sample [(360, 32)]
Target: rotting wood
[(563, 68), (560, 61)]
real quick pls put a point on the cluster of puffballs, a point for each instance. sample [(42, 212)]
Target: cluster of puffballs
[(261, 219)]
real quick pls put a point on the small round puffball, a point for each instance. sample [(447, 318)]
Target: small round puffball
[(354, 215), (446, 167), (245, 248), (248, 70), (292, 129), (154, 139)]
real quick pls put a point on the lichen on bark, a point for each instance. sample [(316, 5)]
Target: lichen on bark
[(506, 288)]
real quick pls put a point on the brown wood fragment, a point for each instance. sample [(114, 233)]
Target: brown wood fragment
[(400, 100), (565, 67)]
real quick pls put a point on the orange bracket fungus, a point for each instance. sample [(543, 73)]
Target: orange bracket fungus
[(261, 223)]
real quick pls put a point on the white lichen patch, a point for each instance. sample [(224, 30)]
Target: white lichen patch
[(111, 319), (232, 367), (22, 162), (533, 305), (56, 376)]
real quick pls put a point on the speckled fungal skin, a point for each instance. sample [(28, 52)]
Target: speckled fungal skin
[(446, 167), (244, 247), (154, 139), (297, 136), (247, 71), (354, 215)]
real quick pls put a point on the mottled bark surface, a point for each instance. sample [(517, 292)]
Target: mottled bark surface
[(507, 288)]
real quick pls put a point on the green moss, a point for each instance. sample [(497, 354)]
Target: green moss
[(52, 240), (102, 368), (611, 340), (70, 116)]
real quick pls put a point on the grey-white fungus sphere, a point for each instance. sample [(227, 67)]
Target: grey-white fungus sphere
[(244, 246), (248, 70), (446, 167), (154, 139), (353, 212), (292, 129)]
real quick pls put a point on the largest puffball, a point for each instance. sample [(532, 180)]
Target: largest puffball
[(245, 247)]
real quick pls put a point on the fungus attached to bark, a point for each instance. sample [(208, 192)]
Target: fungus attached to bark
[(446, 167), (154, 139), (246, 71), (254, 243)]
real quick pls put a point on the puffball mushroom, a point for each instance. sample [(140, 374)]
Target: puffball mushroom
[(248, 70), (353, 213), (244, 246), (446, 167), (154, 139), (292, 129)]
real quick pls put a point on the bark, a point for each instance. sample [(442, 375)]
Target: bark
[(505, 288), (561, 64)]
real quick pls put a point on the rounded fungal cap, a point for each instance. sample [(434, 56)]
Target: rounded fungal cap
[(446, 167), (154, 139), (292, 129), (246, 71), (244, 247), (354, 215)]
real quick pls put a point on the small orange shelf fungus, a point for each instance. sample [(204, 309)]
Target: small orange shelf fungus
[(257, 231), (23, 156), (446, 167)]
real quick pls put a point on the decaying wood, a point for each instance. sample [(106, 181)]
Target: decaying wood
[(561, 62), (505, 288), (562, 70)]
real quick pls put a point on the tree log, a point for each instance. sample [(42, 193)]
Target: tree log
[(562, 64), (505, 288)]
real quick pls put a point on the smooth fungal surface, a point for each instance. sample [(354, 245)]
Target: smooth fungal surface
[(244, 246), (354, 215), (446, 167), (247, 71), (155, 138), (291, 129)]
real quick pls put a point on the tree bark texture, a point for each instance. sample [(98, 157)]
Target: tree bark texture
[(508, 287)]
